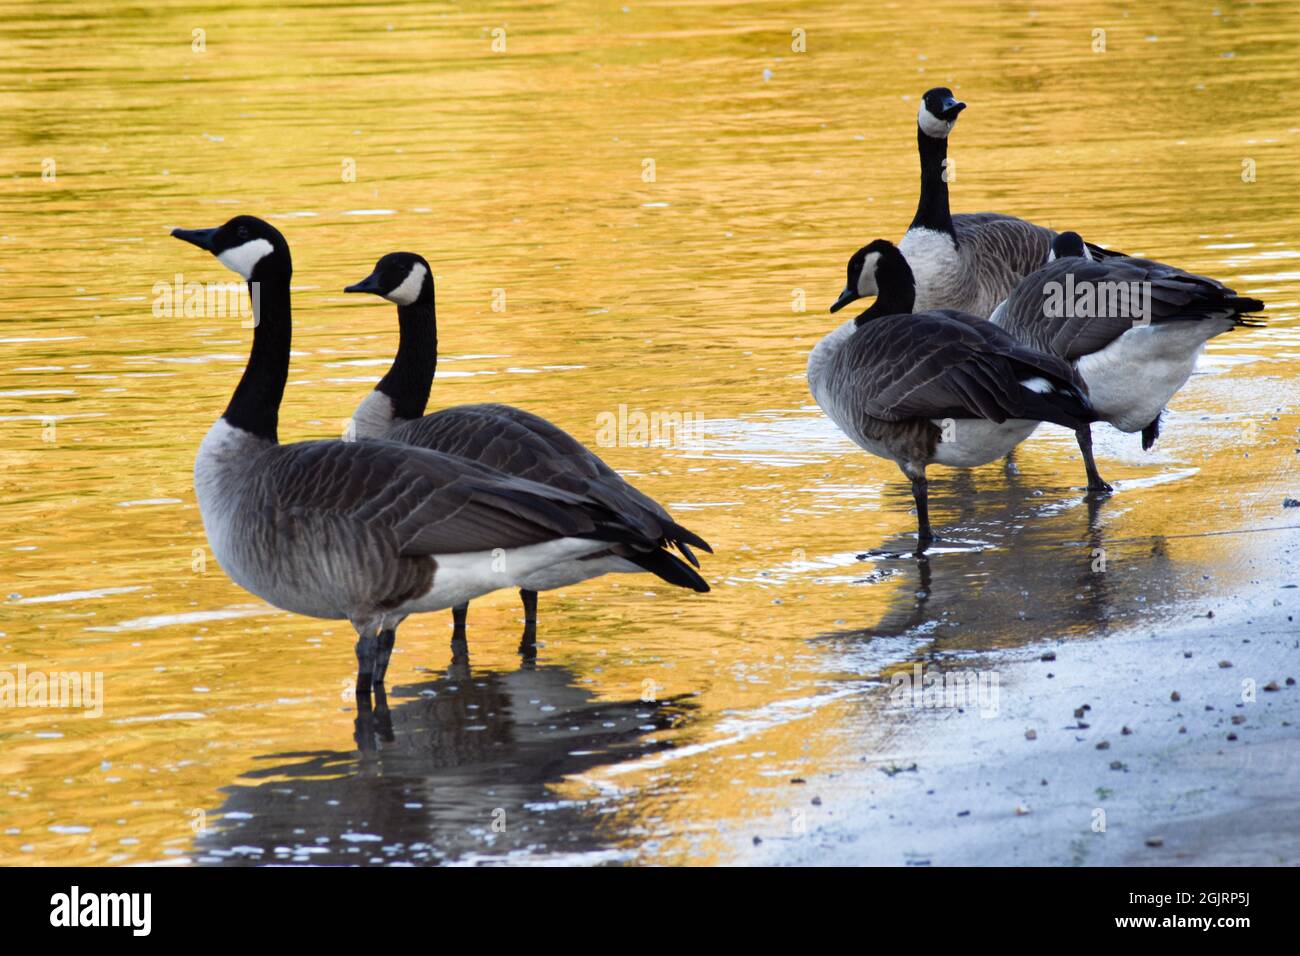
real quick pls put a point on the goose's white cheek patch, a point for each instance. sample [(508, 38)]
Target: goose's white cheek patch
[(409, 290), (931, 125), (244, 259), (867, 277)]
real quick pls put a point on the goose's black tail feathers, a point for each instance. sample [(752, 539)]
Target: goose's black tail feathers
[(1065, 406), (1151, 432), (671, 568)]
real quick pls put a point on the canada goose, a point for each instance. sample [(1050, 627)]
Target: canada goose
[(509, 439), (970, 261), (1132, 328), (368, 531), (938, 387)]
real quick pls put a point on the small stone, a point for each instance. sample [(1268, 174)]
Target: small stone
[(1116, 765), (1031, 734), (1126, 730), (1103, 745), (1175, 696), (1187, 653), (1232, 736), (1022, 810), (1238, 719), (1272, 686), (1225, 664), (798, 780), (1049, 656), (816, 801), (1182, 730), (757, 840), (1078, 712), (1290, 682), (1155, 841)]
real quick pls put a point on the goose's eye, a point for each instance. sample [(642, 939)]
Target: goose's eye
[(243, 232)]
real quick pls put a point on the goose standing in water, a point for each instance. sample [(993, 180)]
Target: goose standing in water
[(1132, 328), (367, 531), (511, 440), (971, 261), (936, 387)]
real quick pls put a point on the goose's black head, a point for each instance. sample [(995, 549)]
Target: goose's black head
[(939, 112), (1068, 245), (879, 269), (400, 277), (247, 245)]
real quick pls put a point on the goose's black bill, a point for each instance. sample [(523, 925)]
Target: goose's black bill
[(369, 284), (203, 238), (848, 295), (951, 108)]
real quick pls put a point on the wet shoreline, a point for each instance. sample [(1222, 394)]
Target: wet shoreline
[(1088, 759)]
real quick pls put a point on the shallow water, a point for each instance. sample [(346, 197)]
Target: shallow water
[(652, 719)]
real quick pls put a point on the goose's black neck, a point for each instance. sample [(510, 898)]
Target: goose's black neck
[(932, 209), (409, 380), (255, 406)]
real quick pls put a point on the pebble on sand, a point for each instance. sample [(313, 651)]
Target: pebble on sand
[(1154, 841)]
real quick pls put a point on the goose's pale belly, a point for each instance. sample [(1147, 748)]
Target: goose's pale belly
[(539, 567), (1135, 376), (971, 442), (567, 573)]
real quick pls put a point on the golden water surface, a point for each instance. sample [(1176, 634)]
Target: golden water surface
[(645, 205)]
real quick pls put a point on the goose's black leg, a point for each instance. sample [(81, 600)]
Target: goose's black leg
[(528, 642), (383, 651), (367, 652), (458, 621), (921, 494), (1095, 482), (1009, 463)]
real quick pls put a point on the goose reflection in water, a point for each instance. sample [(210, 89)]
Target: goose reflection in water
[(1014, 570), (459, 768)]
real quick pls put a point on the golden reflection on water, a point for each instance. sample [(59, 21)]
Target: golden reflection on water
[(524, 171)]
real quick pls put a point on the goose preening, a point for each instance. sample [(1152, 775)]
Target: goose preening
[(935, 387), (971, 261), (510, 440), (368, 531), (1132, 328)]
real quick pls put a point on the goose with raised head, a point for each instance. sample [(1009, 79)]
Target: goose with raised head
[(367, 531), (935, 387), (971, 261), (511, 440), (1133, 328)]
